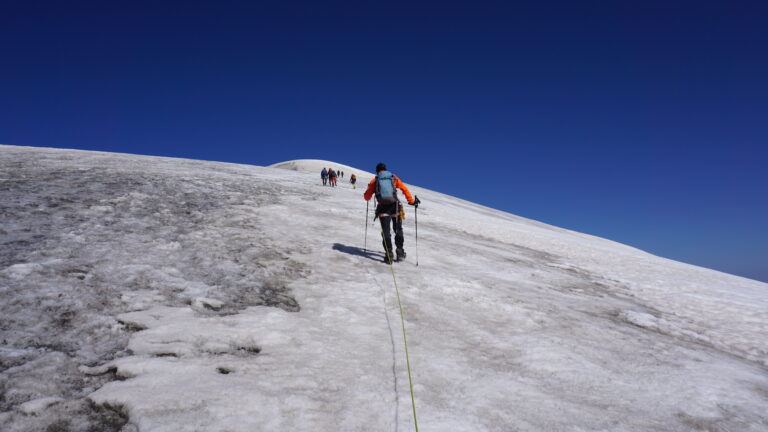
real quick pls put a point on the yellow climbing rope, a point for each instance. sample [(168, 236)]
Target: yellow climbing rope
[(405, 338)]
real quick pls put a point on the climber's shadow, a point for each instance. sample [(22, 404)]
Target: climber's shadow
[(353, 250)]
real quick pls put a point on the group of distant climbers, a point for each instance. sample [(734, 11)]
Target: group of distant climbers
[(329, 177), (389, 210)]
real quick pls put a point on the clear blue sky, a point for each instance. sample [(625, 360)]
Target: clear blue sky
[(644, 122)]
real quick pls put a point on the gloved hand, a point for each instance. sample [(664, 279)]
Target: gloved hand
[(415, 202)]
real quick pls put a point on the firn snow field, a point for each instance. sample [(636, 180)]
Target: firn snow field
[(156, 294)]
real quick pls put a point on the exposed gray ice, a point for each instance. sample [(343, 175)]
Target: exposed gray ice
[(87, 236)]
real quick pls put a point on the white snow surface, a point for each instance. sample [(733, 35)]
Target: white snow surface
[(158, 294), (315, 166)]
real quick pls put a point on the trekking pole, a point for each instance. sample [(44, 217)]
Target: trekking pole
[(416, 213), (365, 244)]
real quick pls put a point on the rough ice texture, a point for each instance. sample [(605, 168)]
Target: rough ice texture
[(160, 294), (87, 236)]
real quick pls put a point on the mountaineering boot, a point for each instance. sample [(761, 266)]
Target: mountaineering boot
[(387, 254), (400, 254)]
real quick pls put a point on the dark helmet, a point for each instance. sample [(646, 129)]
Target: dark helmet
[(381, 167)]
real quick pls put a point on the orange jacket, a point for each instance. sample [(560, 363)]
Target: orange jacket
[(398, 185)]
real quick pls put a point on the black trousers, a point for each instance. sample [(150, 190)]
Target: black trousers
[(389, 215)]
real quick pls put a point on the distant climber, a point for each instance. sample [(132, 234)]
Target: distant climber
[(353, 180), (332, 176), (324, 176), (384, 185)]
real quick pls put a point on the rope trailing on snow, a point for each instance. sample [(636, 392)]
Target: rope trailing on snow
[(402, 323)]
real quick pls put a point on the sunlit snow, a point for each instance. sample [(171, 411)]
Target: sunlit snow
[(157, 294)]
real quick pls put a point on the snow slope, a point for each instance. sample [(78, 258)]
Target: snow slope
[(160, 294), (314, 166)]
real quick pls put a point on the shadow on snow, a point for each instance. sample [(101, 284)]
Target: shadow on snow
[(353, 250)]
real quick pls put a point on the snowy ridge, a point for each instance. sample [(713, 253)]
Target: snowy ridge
[(316, 165), (154, 294)]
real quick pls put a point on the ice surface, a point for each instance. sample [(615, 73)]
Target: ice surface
[(36, 406), (159, 294)]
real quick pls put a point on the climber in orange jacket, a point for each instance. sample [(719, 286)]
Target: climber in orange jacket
[(385, 186)]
